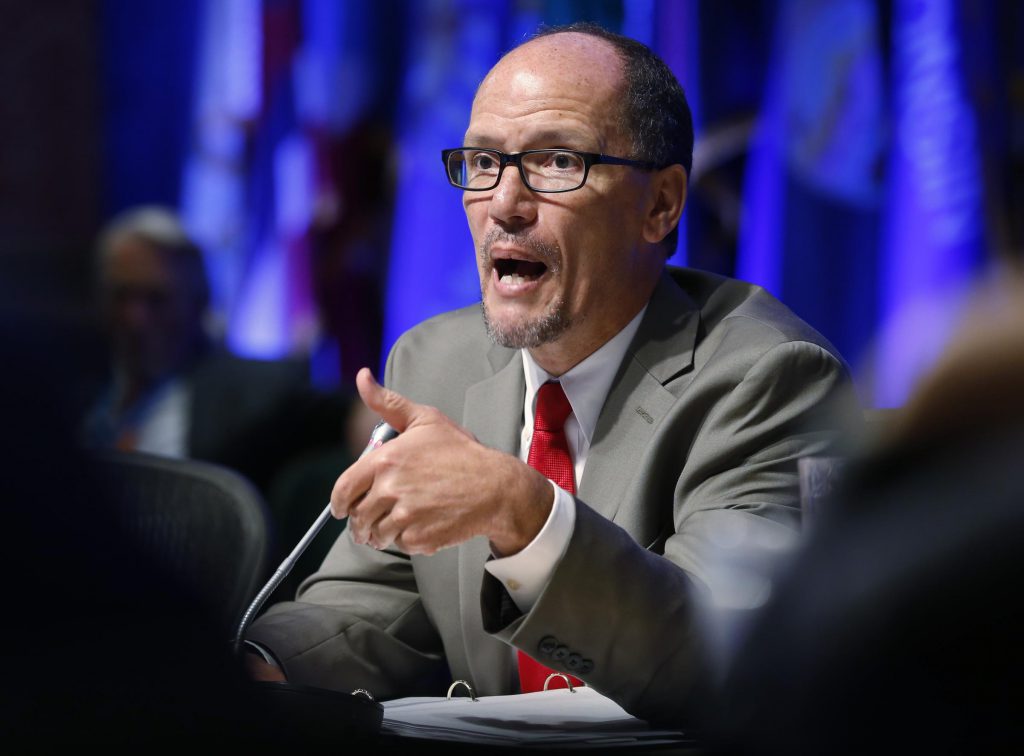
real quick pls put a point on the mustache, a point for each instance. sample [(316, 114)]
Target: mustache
[(549, 254)]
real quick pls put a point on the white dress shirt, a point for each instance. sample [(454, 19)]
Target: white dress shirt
[(163, 428), (586, 386)]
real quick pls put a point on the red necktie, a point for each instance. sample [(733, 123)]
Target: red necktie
[(549, 455)]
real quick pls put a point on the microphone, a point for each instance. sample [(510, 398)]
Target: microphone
[(382, 433)]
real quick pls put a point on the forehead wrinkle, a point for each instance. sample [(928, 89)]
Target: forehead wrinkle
[(557, 129), (558, 120), (530, 87)]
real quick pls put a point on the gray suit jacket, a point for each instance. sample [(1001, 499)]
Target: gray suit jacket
[(720, 393)]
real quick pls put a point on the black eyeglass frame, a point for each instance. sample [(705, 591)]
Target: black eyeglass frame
[(516, 159)]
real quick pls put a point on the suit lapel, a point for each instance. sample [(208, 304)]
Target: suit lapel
[(494, 414), (639, 399), (493, 409)]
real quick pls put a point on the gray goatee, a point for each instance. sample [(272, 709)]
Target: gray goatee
[(525, 334)]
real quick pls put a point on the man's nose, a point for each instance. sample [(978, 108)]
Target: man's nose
[(513, 204)]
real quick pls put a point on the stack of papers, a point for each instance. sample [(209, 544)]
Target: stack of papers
[(551, 718)]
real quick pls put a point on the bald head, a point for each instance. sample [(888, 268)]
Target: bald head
[(573, 82), (649, 104), (590, 63)]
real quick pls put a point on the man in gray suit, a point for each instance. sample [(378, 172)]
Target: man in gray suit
[(692, 398)]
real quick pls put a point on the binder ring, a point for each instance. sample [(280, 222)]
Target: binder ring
[(363, 692), (564, 677), (451, 689)]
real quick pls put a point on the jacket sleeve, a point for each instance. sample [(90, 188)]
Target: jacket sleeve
[(358, 622)]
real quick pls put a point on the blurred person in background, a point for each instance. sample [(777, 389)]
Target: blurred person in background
[(172, 390)]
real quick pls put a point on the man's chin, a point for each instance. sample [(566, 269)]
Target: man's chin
[(525, 330)]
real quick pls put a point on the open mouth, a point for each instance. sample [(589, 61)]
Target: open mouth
[(512, 271)]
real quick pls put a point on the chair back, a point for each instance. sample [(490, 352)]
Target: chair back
[(205, 525)]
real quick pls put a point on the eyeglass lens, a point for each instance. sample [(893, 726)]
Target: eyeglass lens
[(545, 170)]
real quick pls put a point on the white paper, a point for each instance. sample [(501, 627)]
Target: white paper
[(548, 718)]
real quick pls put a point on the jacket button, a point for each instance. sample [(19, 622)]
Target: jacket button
[(573, 662), (547, 645), (560, 653), (586, 667)]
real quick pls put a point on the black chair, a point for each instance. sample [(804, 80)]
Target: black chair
[(203, 524)]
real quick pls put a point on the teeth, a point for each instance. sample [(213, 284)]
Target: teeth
[(513, 278)]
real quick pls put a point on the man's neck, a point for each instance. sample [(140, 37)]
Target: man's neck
[(562, 355)]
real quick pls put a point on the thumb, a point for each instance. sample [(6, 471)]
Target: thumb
[(394, 409)]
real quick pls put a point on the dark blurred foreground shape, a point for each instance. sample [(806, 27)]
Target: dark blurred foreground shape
[(899, 626), (101, 647), (80, 644)]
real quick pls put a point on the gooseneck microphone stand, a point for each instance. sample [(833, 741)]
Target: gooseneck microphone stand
[(382, 433)]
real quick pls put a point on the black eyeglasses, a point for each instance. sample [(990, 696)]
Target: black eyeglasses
[(479, 170)]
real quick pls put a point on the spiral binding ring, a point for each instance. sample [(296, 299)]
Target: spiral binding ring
[(564, 677), (451, 689)]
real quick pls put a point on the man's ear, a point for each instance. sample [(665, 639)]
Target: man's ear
[(668, 195)]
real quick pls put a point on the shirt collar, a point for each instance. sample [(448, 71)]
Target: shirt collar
[(586, 384)]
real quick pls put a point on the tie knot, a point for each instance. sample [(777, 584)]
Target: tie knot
[(552, 407)]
